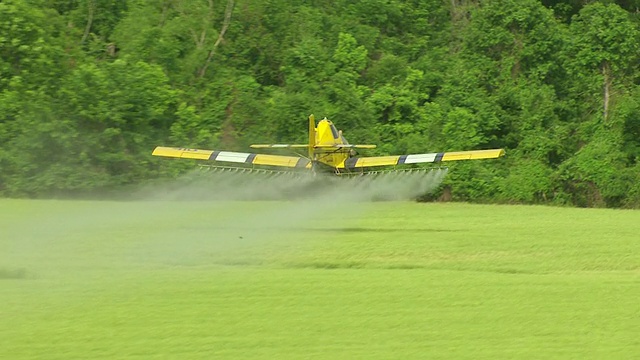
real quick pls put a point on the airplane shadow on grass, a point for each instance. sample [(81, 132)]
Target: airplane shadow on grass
[(379, 230), (13, 274), (342, 229)]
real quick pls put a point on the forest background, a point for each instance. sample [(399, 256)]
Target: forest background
[(89, 87)]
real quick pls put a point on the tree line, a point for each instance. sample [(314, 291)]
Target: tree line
[(89, 87)]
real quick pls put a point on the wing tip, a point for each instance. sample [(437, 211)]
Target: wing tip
[(162, 151)]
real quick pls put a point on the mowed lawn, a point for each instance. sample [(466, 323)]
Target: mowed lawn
[(320, 279)]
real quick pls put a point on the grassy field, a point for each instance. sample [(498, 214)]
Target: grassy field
[(211, 280)]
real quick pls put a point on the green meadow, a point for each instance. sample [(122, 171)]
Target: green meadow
[(316, 279)]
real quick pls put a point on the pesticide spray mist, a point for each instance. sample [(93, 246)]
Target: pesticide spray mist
[(296, 206), (246, 184), (201, 219)]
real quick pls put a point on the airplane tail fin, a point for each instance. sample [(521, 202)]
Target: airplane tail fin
[(312, 135), (310, 146)]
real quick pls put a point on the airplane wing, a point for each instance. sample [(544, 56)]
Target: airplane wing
[(361, 162), (278, 146), (290, 146), (348, 146), (234, 157)]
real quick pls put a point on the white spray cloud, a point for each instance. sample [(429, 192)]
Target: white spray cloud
[(201, 219), (244, 184)]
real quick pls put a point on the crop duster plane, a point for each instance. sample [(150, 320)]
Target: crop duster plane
[(327, 151)]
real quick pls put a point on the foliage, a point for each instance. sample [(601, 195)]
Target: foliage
[(89, 87)]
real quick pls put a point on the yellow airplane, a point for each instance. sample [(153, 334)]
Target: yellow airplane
[(327, 150)]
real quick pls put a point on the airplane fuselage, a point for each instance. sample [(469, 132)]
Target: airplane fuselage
[(331, 147)]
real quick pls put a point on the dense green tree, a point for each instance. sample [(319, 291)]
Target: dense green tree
[(31, 45), (96, 133), (603, 57), (605, 51), (89, 87)]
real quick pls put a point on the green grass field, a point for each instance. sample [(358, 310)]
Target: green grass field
[(212, 280)]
